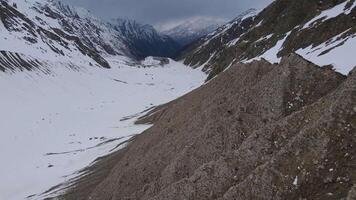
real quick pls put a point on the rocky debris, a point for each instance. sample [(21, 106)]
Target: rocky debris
[(237, 137), (352, 193)]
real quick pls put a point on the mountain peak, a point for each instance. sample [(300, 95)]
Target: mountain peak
[(144, 40), (188, 30), (133, 28), (248, 13)]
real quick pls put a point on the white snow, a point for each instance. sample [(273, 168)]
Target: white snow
[(150, 61), (331, 13), (233, 42), (271, 55), (341, 56), (265, 38), (259, 24), (206, 62), (295, 182), (53, 125)]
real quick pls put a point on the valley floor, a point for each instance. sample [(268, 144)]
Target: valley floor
[(54, 125)]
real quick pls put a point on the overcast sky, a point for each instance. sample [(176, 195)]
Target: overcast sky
[(162, 11)]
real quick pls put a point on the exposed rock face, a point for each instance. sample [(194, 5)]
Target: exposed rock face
[(144, 40), (257, 131)]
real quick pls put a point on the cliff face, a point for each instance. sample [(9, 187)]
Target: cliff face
[(144, 40), (257, 131)]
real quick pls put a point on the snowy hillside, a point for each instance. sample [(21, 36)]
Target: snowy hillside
[(46, 33), (320, 31), (189, 30), (54, 125), (49, 32)]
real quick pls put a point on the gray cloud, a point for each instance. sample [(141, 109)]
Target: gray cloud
[(160, 11)]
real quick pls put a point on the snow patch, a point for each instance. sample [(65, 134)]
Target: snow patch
[(295, 182), (331, 13), (271, 54), (340, 53), (265, 38)]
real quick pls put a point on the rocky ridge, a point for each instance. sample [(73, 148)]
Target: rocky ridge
[(257, 131)]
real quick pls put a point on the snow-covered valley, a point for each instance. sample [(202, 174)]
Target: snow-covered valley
[(73, 85), (53, 125)]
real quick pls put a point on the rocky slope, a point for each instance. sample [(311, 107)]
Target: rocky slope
[(256, 131), (320, 31)]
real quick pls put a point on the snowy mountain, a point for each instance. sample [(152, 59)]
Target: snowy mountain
[(144, 40), (320, 31), (189, 30), (41, 32), (46, 32)]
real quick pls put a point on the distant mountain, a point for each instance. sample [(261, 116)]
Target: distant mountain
[(187, 31), (143, 40), (39, 33), (320, 31)]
